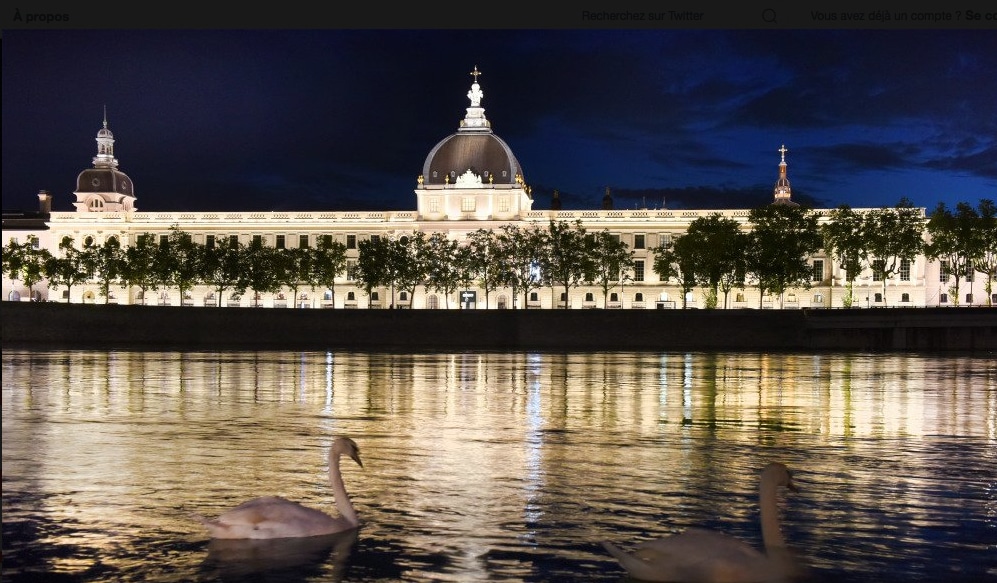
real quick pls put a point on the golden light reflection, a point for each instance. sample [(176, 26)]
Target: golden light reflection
[(465, 453)]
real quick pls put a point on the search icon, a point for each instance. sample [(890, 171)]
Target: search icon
[(768, 15)]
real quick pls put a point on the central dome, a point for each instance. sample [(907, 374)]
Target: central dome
[(473, 148)]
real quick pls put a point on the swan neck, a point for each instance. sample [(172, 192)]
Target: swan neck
[(343, 503), (767, 502)]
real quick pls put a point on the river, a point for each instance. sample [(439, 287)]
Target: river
[(494, 466)]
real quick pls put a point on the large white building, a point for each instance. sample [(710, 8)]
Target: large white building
[(470, 180)]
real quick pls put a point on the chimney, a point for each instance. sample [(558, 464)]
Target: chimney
[(44, 202)]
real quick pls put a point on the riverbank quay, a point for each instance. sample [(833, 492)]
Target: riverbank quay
[(204, 328)]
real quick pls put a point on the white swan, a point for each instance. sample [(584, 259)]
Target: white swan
[(273, 517), (703, 556)]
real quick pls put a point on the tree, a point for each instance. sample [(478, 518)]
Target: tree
[(986, 260), (677, 259), (106, 264), (439, 253), (186, 261), (719, 254), (328, 263), (487, 263), (952, 238), (608, 258), (407, 267), (260, 270), (68, 269), (295, 269), (844, 241), (783, 236), (25, 262), (894, 235), (139, 264), (523, 250), (565, 263), (222, 266), (372, 264)]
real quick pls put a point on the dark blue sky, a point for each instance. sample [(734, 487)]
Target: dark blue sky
[(343, 120)]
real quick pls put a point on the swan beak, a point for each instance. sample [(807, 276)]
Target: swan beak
[(355, 456)]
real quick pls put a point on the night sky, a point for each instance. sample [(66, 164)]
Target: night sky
[(268, 120)]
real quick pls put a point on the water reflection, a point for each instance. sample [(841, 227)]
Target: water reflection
[(505, 467), (240, 559)]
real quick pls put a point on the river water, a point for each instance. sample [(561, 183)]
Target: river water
[(500, 467)]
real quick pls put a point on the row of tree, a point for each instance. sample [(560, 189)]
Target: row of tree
[(770, 251)]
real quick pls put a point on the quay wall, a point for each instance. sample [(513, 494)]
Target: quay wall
[(205, 328)]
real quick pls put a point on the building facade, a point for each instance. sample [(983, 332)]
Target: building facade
[(470, 180)]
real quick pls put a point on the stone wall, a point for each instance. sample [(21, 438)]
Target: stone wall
[(144, 327)]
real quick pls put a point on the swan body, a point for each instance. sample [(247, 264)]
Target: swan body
[(704, 556), (273, 517)]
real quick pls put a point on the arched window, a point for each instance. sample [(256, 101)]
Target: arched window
[(904, 297), (614, 297), (638, 297), (589, 297), (403, 296)]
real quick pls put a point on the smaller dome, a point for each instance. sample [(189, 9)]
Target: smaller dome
[(104, 180)]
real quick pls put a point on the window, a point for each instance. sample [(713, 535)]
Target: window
[(614, 297), (564, 296), (969, 298), (503, 204), (351, 241), (233, 240), (303, 241), (374, 296), (943, 271), (209, 241), (589, 297), (164, 239), (943, 298), (351, 296), (639, 241), (639, 270), (817, 270), (905, 270), (818, 298), (878, 267), (351, 269), (534, 297), (35, 243), (878, 298), (467, 204), (904, 298), (403, 296), (327, 295), (434, 204), (327, 241), (257, 240), (638, 297), (280, 242), (739, 297), (375, 238), (433, 303)]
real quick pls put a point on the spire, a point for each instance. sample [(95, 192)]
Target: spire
[(782, 190), (105, 147), (474, 120)]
